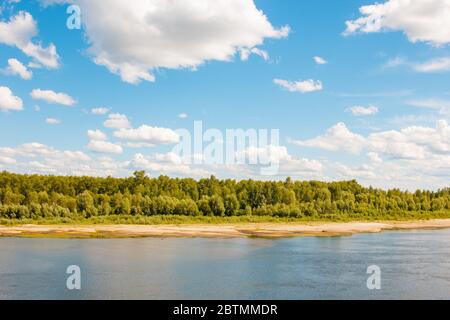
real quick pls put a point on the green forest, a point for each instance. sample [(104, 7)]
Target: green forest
[(35, 197)]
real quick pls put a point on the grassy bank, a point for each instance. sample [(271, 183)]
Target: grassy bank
[(178, 220)]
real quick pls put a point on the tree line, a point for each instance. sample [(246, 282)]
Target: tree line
[(39, 196)]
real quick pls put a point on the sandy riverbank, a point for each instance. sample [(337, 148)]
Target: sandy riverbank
[(267, 230)]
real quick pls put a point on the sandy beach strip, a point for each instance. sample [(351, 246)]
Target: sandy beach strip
[(264, 230)]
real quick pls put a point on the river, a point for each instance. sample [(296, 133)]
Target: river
[(412, 265)]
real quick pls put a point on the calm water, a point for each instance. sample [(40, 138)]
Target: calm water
[(413, 264)]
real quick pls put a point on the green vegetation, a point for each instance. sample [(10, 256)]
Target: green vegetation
[(143, 200)]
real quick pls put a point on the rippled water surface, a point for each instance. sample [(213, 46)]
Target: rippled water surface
[(413, 265)]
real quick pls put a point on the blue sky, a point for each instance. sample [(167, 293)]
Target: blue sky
[(394, 74)]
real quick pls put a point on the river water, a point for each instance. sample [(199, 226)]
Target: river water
[(412, 264)]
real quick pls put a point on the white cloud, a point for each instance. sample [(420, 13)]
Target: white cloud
[(117, 121), (168, 163), (396, 62), (397, 144), (100, 111), (35, 150), (19, 32), (96, 135), (152, 135), (34, 65), (104, 147), (413, 143), (374, 157), (320, 60), (301, 167), (267, 154), (412, 174), (299, 86), (137, 145), (149, 34), (7, 160), (8, 101), (39, 158), (288, 165), (385, 172), (183, 115), (245, 54), (52, 121), (15, 67), (434, 65), (391, 169), (363, 111), (409, 119), (53, 97), (443, 106), (338, 137), (360, 172), (424, 21)]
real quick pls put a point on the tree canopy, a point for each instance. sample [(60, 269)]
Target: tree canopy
[(38, 196)]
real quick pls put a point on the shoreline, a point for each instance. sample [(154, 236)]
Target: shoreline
[(243, 230)]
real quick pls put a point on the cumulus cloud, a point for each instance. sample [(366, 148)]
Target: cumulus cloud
[(19, 32), (35, 149), (8, 101), (414, 142), (39, 158), (148, 134), (338, 137), (263, 155), (52, 97), (117, 121), (412, 174), (359, 172), (382, 171), (374, 157), (101, 146), (96, 135), (299, 86), (168, 163), (421, 21), (15, 67), (149, 34), (287, 165), (183, 115), (363, 111), (410, 158), (7, 160), (397, 144)]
